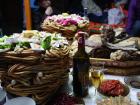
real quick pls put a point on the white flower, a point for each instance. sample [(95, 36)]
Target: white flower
[(56, 44), (10, 41), (44, 34)]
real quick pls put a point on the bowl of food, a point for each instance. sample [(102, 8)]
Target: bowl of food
[(112, 88)]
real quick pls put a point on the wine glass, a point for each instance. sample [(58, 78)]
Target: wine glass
[(97, 76)]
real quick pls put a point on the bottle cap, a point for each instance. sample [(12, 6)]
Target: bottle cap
[(81, 33)]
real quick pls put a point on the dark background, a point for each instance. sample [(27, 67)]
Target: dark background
[(11, 16)]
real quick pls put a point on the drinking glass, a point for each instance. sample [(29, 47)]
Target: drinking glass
[(97, 76)]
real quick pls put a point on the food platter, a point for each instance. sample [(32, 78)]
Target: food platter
[(115, 91), (133, 81), (116, 101), (126, 92)]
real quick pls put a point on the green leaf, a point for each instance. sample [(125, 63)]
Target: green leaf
[(1, 40), (46, 43), (1, 47), (5, 46), (24, 44)]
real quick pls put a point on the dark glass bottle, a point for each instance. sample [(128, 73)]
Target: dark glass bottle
[(81, 68), (86, 13)]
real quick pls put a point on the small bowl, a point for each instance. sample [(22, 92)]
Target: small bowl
[(133, 81)]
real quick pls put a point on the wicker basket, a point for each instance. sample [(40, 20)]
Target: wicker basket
[(118, 67), (37, 78)]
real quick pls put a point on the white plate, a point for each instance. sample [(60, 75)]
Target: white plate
[(21, 101)]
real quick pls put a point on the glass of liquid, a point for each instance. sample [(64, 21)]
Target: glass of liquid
[(97, 77)]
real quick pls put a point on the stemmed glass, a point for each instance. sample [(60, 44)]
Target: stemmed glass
[(97, 76)]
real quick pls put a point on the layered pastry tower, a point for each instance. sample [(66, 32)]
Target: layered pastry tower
[(65, 23)]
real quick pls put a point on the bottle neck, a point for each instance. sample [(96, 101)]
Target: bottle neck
[(86, 14), (81, 43)]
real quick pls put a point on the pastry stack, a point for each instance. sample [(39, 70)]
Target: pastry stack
[(65, 23)]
